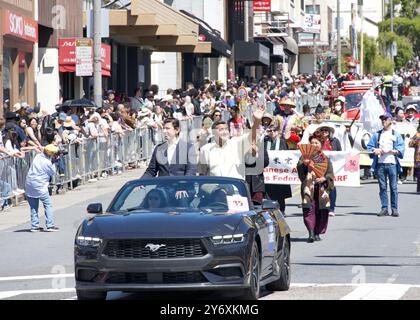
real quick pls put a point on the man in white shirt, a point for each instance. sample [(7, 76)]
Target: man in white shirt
[(387, 147), (226, 156)]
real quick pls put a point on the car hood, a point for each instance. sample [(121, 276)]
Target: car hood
[(158, 224)]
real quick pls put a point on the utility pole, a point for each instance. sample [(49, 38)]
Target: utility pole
[(314, 43), (338, 38), (361, 36), (97, 58), (392, 16)]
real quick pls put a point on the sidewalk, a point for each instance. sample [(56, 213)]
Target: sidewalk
[(20, 214)]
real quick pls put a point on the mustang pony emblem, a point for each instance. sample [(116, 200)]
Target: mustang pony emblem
[(154, 247)]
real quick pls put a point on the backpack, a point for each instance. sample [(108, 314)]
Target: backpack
[(47, 122)]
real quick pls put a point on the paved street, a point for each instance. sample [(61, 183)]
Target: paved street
[(361, 256)]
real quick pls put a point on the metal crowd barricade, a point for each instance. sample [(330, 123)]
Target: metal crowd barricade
[(90, 158)]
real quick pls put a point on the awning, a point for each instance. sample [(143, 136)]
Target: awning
[(275, 45), (67, 56), (156, 25), (291, 45), (251, 53), (207, 34)]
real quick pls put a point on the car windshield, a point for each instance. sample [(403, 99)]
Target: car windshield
[(354, 100), (181, 195)]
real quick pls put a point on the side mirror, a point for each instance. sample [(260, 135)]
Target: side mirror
[(270, 205), (95, 208)]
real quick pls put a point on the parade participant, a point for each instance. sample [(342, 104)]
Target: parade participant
[(387, 146), (330, 143), (319, 119), (237, 123), (288, 121), (399, 115), (338, 112), (411, 110), (225, 156), (278, 192), (415, 143), (174, 157), (36, 187), (256, 181), (315, 193)]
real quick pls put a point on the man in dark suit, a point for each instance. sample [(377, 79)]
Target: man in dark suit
[(174, 157), (274, 141)]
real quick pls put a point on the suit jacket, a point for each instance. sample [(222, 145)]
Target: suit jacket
[(184, 162), (278, 192)]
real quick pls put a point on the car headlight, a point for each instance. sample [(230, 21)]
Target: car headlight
[(88, 241), (227, 239)]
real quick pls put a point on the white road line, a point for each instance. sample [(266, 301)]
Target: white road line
[(8, 294), (305, 285), (381, 292), (392, 278), (36, 277)]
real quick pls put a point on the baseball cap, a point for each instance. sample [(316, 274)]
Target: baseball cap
[(62, 116), (386, 115), (50, 150)]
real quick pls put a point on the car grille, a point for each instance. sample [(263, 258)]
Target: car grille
[(136, 249), (155, 278)]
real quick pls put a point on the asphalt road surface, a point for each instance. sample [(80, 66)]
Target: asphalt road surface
[(361, 256)]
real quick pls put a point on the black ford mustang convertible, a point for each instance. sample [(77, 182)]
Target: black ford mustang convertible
[(190, 233)]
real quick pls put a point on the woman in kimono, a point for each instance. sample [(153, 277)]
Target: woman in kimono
[(315, 193)]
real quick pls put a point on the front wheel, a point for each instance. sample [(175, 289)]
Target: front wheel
[(90, 295), (253, 292), (283, 260)]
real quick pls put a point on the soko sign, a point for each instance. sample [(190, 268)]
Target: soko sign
[(20, 26)]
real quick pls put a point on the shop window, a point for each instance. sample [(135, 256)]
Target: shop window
[(7, 79)]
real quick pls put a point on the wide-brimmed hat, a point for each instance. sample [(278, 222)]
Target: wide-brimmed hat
[(16, 107), (287, 102), (69, 122), (269, 116), (330, 128), (411, 107)]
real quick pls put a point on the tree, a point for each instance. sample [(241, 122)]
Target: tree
[(409, 28), (370, 51), (408, 8), (383, 65), (404, 47)]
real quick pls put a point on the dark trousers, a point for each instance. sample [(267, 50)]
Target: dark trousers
[(333, 199), (418, 179), (314, 218)]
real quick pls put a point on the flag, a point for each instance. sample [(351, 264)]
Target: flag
[(370, 111)]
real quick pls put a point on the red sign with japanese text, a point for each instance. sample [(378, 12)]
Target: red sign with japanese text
[(67, 56), (261, 5), (20, 26)]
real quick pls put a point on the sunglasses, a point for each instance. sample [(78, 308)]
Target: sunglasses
[(324, 130), (269, 130)]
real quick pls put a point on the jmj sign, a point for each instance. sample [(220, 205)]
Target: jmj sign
[(282, 168), (20, 26), (262, 5)]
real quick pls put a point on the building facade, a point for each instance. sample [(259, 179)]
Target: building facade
[(18, 37)]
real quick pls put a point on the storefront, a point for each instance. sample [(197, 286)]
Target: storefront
[(251, 55), (18, 35), (67, 65)]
